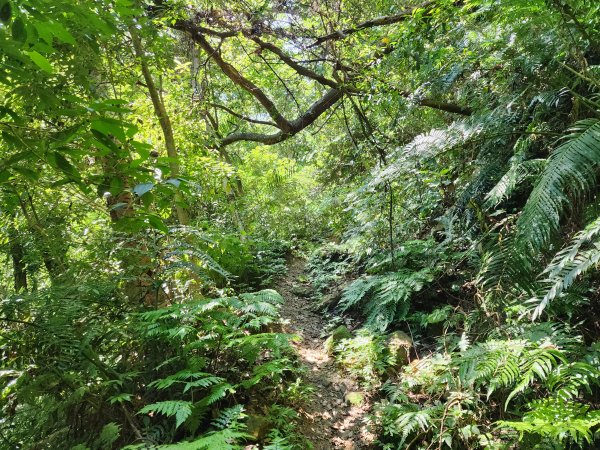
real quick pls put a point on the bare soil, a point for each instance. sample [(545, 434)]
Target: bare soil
[(329, 421)]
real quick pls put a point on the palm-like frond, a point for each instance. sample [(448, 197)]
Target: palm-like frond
[(579, 256), (428, 145), (518, 172), (570, 174)]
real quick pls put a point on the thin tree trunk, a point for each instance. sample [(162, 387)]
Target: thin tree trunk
[(165, 122), (17, 254)]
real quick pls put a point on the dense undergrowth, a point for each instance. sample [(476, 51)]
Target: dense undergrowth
[(93, 370), (436, 163)]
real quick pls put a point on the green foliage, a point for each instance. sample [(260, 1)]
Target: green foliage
[(197, 354), (147, 192), (385, 298), (475, 383), (556, 420), (228, 433), (252, 262), (579, 256), (180, 409), (569, 175), (363, 356), (567, 179), (328, 265)]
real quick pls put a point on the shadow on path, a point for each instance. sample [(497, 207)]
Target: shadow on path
[(328, 420)]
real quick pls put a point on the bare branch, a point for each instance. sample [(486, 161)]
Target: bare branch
[(244, 118), (334, 94), (443, 106), (216, 33), (267, 139), (233, 74), (297, 125), (377, 22), (316, 109), (300, 69)]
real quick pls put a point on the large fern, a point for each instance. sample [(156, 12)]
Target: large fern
[(579, 256), (507, 364), (570, 174), (518, 172), (458, 134), (386, 297), (228, 433), (443, 398), (180, 409), (509, 268), (557, 419)]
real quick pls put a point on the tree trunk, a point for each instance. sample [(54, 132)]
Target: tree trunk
[(165, 122), (17, 254)]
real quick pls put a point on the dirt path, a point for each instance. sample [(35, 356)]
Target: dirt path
[(328, 420)]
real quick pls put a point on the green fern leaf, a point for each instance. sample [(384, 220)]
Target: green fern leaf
[(178, 408), (571, 172)]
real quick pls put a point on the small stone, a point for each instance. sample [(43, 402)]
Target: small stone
[(302, 291), (399, 345)]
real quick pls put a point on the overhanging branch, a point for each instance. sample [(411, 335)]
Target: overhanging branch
[(287, 128), (299, 68), (444, 106), (242, 117), (233, 74), (377, 22), (297, 125)]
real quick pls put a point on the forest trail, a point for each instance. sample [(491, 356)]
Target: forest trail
[(328, 420)]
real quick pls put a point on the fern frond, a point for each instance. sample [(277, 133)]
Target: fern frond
[(579, 256), (569, 380), (538, 364), (204, 260), (229, 416), (226, 439), (356, 291), (518, 172), (385, 297), (178, 408), (431, 144), (558, 419), (264, 303), (217, 392), (506, 271), (571, 173), (410, 422), (184, 376)]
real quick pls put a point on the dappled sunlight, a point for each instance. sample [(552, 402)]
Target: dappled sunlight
[(331, 420)]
